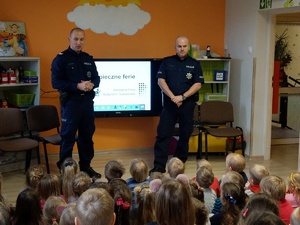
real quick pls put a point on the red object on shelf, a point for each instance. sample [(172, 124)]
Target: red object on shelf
[(4, 78), (276, 87), (12, 78)]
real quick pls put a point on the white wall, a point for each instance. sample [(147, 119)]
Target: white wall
[(240, 39), (248, 28)]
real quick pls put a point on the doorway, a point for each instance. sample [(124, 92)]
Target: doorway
[(285, 123)]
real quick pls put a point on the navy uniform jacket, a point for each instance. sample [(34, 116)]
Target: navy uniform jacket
[(180, 75), (69, 68)]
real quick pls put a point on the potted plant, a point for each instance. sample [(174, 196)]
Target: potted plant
[(282, 51), (283, 55)]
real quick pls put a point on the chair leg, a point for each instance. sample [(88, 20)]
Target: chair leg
[(206, 147), (233, 144), (199, 151), (46, 157), (28, 159)]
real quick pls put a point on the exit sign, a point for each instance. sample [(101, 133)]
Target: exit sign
[(265, 4)]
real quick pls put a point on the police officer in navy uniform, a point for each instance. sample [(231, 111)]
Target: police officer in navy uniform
[(180, 78), (75, 76)]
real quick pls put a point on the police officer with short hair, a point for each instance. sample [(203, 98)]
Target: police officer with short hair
[(180, 78), (74, 75)]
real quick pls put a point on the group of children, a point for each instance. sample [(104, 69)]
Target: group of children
[(172, 198)]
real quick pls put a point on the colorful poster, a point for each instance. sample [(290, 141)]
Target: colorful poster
[(12, 39)]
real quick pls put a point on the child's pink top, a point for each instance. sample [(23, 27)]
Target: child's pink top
[(292, 199)]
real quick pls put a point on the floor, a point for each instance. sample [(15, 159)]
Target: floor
[(283, 135)]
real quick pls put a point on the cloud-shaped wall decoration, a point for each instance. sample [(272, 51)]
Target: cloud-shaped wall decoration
[(112, 20)]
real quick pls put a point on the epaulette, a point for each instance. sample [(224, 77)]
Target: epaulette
[(61, 53)]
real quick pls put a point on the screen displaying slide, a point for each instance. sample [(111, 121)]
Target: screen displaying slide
[(124, 86)]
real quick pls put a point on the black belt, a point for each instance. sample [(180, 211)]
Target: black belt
[(80, 96)]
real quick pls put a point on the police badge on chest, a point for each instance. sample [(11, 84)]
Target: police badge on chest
[(189, 75)]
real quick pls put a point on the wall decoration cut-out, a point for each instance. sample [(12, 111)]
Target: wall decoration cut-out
[(110, 16), (266, 4), (12, 39)]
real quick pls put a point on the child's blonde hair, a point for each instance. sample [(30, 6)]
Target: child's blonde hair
[(33, 175), (233, 177), (235, 162), (146, 205), (81, 183), (48, 186), (95, 206), (295, 217), (175, 166), (274, 186), (138, 170), (257, 172), (69, 165), (68, 215), (293, 184), (204, 177), (69, 169), (50, 214), (204, 163), (114, 169)]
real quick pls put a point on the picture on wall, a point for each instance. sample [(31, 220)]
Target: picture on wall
[(12, 39)]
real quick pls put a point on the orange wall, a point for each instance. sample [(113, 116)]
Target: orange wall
[(47, 29)]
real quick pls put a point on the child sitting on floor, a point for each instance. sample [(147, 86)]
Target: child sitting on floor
[(257, 172), (293, 189), (145, 211), (50, 213), (256, 205), (114, 169), (48, 186), (33, 175), (122, 199), (139, 174), (68, 215), (28, 209), (80, 184), (215, 185), (69, 169), (295, 217), (204, 178), (95, 206), (276, 188), (175, 166), (236, 162), (174, 196)]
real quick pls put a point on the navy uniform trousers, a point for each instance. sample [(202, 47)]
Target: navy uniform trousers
[(78, 112), (168, 118)]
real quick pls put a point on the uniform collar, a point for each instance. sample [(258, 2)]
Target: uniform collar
[(177, 57), (73, 52)]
